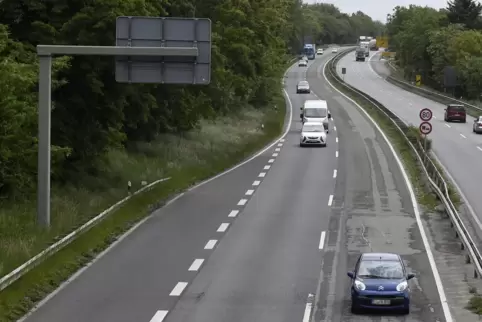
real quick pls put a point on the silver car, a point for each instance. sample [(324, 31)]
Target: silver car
[(477, 128), (313, 133), (302, 63), (303, 87)]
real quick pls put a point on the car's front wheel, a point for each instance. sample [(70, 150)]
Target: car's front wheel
[(354, 308), (406, 311)]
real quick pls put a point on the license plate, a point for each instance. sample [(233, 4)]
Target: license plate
[(381, 302)]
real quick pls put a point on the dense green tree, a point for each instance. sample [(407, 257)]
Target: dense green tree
[(427, 40), (92, 113), (466, 12)]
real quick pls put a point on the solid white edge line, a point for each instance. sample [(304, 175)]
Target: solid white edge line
[(322, 240), (140, 223), (233, 213), (330, 200), (196, 265), (178, 289), (431, 259), (223, 227), (335, 172), (256, 183), (210, 244), (159, 316), (249, 192), (242, 202)]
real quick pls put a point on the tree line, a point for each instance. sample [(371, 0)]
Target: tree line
[(92, 113), (427, 40)]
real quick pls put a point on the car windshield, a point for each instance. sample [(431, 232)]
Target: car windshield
[(457, 108), (313, 128), (380, 269), (315, 112), (303, 83)]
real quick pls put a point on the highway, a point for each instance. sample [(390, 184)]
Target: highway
[(253, 244), (456, 146)]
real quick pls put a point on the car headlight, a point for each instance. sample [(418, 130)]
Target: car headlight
[(402, 286), (359, 285)]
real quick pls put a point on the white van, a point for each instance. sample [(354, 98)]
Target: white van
[(316, 111)]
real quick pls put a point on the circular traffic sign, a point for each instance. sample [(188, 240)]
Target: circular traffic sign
[(426, 114), (425, 128)]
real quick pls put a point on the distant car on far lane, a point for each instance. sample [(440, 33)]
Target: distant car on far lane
[(303, 87), (313, 133), (319, 51), (334, 50), (477, 128), (455, 112), (302, 63), (380, 282)]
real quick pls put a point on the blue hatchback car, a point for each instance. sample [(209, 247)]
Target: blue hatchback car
[(380, 282)]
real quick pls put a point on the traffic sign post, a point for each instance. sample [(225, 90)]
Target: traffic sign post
[(148, 50), (426, 115), (343, 72), (425, 129)]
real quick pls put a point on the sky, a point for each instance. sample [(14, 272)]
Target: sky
[(378, 9)]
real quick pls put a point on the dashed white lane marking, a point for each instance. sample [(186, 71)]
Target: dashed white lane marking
[(275, 155), (177, 290), (336, 139), (256, 183), (335, 172), (330, 200), (479, 148), (277, 149), (322, 240), (280, 144), (447, 125), (434, 117), (210, 244), (267, 167), (270, 160), (249, 192), (196, 265), (262, 174), (336, 154), (308, 309), (159, 316), (233, 213), (223, 227), (463, 136), (242, 202), (282, 140), (334, 128)]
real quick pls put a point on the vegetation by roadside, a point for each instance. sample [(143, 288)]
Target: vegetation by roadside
[(202, 153), (427, 40)]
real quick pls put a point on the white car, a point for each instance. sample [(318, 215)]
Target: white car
[(334, 50), (303, 87), (302, 63), (313, 133), (319, 51)]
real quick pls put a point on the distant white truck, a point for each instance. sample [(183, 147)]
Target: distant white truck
[(366, 48)]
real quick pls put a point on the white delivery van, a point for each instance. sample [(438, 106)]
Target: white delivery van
[(316, 111)]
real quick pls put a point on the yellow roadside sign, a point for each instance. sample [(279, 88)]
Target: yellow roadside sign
[(382, 42), (418, 80)]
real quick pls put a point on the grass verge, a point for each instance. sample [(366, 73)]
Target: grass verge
[(475, 305), (199, 154), (412, 166)]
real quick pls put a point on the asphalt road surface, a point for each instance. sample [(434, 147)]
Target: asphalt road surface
[(457, 147), (253, 244)]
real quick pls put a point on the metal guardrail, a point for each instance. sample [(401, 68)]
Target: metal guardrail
[(40, 257), (438, 97), (433, 174)]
